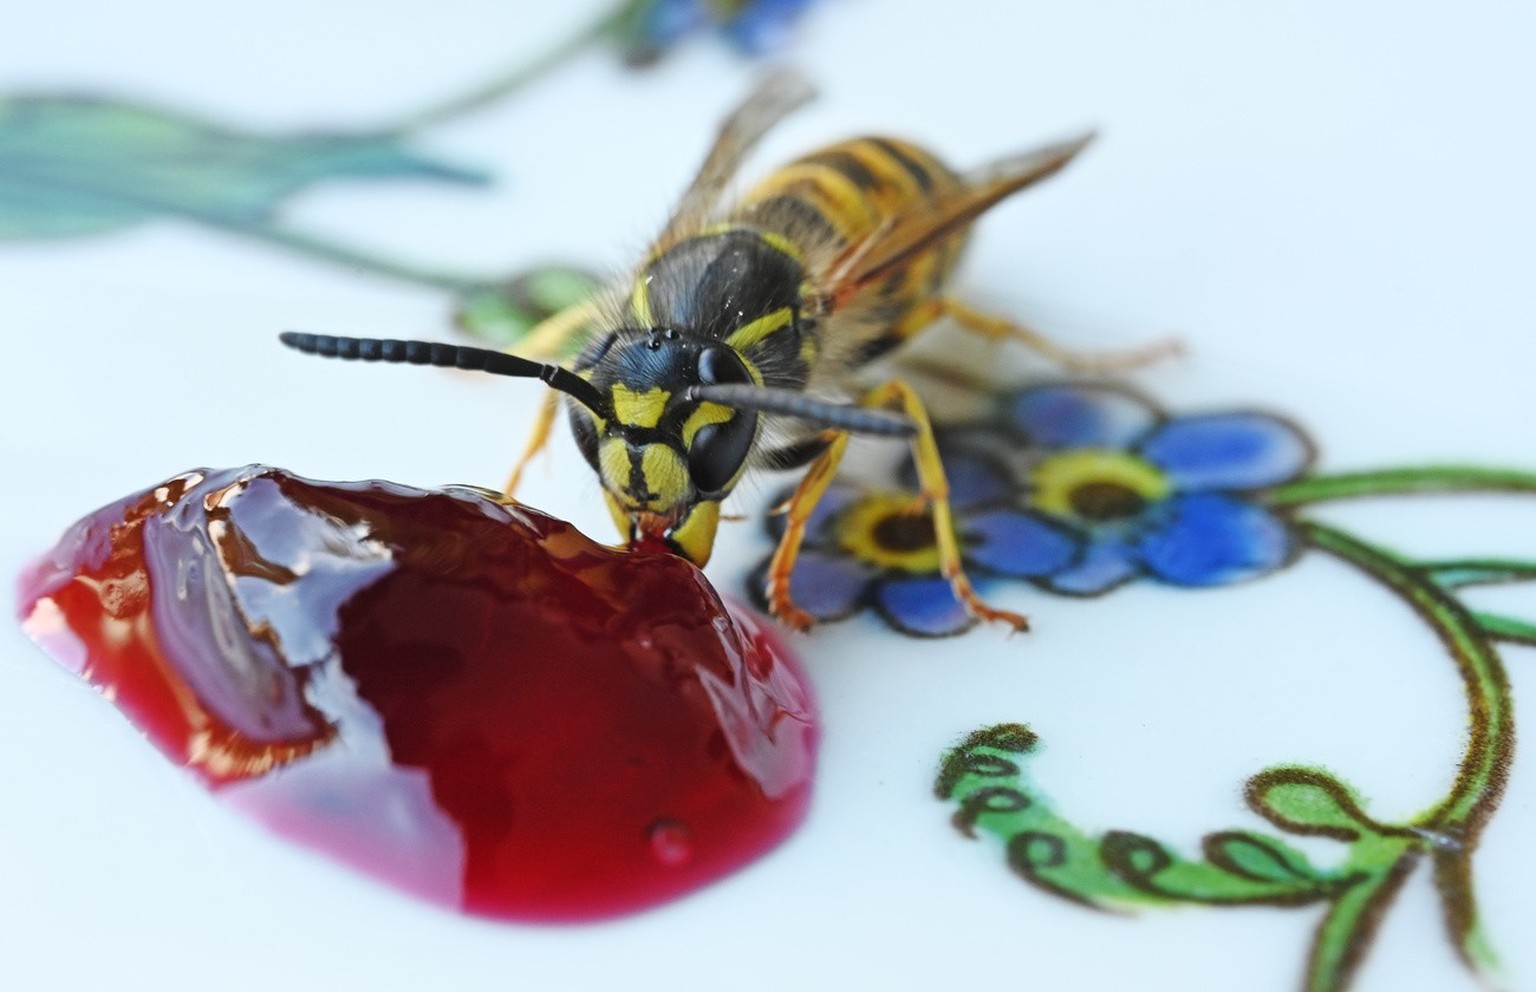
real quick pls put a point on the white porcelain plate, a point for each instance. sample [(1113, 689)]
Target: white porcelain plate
[(1270, 692)]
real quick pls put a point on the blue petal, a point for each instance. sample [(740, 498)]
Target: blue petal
[(1104, 565), (1079, 416), (827, 587), (765, 25), (1228, 451), (818, 530), (974, 478), (668, 20), (922, 607), (1016, 544), (1207, 539)]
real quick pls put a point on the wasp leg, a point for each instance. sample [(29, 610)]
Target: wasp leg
[(537, 438), (1099, 362), (797, 512), (934, 497), (551, 337), (935, 493)]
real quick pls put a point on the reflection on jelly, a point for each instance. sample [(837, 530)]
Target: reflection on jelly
[(671, 842), (469, 700)]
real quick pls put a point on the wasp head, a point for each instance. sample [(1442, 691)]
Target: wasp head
[(665, 459)]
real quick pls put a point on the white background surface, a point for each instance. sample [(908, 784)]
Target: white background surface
[(1332, 206)]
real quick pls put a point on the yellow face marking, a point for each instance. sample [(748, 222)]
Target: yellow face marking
[(706, 414), (613, 465), (695, 533), (637, 409), (665, 475), (752, 332), (752, 370)]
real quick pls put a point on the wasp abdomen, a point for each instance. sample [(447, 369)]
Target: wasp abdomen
[(849, 191)]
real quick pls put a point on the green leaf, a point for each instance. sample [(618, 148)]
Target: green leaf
[(1479, 572), (1309, 801), (1507, 628), (502, 316), (1258, 857), (985, 777), (81, 165)]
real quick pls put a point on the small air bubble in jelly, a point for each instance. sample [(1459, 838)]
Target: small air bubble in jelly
[(671, 841)]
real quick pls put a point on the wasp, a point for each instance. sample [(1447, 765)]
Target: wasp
[(736, 341)]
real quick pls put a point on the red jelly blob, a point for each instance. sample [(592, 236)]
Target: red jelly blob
[(469, 700)]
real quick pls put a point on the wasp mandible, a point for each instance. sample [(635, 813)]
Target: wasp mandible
[(735, 342)]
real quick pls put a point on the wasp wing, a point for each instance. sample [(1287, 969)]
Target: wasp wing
[(904, 238), (773, 99)]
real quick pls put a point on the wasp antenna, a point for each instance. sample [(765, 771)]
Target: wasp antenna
[(788, 403), (451, 356)]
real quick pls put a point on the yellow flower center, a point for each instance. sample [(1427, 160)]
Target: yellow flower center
[(1096, 485), (883, 531)]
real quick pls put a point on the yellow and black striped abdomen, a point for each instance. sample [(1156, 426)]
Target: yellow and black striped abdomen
[(844, 193)]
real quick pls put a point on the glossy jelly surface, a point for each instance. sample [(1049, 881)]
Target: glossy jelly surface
[(467, 699)]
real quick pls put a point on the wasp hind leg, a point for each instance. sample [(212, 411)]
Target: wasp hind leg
[(1087, 362), (934, 498)]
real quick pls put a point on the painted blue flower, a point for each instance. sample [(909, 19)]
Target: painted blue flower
[(1175, 499), (755, 27), (868, 549)]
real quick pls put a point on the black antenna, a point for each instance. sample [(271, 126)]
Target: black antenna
[(450, 356), (788, 403)]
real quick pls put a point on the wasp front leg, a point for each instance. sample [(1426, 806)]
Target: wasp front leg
[(797, 513), (543, 423), (551, 338)]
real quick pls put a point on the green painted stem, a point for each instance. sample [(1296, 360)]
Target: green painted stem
[(516, 78), (1483, 770), (1490, 743), (1342, 938), (1401, 481)]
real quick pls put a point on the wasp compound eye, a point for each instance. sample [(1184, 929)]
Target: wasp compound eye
[(719, 450), (718, 366)]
